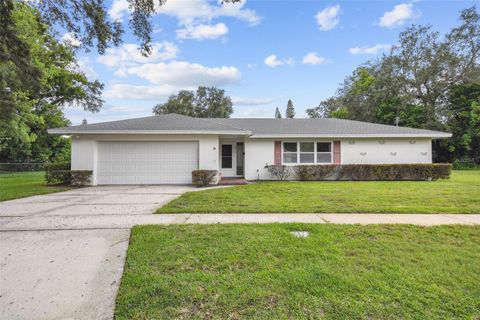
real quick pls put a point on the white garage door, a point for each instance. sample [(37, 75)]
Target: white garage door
[(146, 162)]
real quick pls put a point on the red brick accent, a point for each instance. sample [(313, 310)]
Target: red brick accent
[(337, 155), (278, 152)]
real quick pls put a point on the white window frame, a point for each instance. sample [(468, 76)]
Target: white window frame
[(314, 153)]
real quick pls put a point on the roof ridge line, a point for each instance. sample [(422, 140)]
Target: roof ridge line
[(210, 120)]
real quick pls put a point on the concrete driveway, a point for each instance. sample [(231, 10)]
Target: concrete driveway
[(51, 268)]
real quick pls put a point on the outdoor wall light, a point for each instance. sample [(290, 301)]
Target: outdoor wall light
[(351, 142), (381, 141), (424, 153), (363, 153), (393, 153), (412, 141)]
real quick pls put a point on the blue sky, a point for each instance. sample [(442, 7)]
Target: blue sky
[(261, 52)]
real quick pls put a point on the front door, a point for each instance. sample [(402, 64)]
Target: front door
[(227, 160)]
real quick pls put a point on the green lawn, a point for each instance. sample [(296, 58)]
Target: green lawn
[(459, 194), (338, 272), (25, 184)]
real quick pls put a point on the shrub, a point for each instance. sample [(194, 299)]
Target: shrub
[(57, 173), (465, 165), (80, 177), (19, 167), (305, 172), (374, 172), (203, 178), (60, 173), (281, 172)]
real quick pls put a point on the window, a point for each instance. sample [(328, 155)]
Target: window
[(324, 152), (290, 152), (227, 156), (307, 152)]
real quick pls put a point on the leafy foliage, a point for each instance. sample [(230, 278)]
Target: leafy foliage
[(425, 82), (35, 103), (281, 172), (206, 102), (367, 172), (203, 178)]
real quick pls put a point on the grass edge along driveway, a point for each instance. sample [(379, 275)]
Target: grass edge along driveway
[(25, 184), (459, 194), (338, 272)]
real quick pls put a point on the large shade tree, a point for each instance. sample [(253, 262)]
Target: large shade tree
[(414, 84), (206, 102), (30, 107)]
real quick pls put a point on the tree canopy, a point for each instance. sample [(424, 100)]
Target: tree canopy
[(290, 111), (418, 81), (278, 115), (206, 102), (30, 107)]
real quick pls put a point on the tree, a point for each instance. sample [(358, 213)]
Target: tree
[(464, 124), (414, 82), (278, 115), (88, 21), (35, 107), (290, 112), (206, 102)]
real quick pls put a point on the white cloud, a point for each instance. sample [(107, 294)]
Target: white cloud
[(146, 92), (119, 9), (85, 65), (370, 50), (398, 16), (185, 74), (327, 19), (70, 39), (312, 58), (202, 31), (273, 61), (129, 54), (241, 101), (190, 11)]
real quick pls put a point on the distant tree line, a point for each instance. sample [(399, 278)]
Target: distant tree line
[(426, 81)]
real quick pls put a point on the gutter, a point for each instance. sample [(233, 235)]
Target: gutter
[(439, 135), (201, 132)]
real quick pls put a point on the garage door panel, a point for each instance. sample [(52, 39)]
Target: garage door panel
[(146, 162)]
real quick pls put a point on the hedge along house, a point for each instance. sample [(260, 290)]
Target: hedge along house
[(165, 149)]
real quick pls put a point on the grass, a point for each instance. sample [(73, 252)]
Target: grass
[(25, 184), (338, 272), (459, 194)]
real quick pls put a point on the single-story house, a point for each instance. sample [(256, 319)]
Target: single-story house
[(165, 149)]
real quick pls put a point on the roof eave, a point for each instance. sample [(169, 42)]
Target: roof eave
[(69, 132), (390, 135)]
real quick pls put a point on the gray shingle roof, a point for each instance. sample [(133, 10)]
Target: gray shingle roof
[(257, 128)]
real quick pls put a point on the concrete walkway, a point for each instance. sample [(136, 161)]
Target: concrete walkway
[(126, 221), (62, 255)]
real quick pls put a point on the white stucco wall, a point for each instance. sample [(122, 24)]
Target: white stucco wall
[(258, 153), (84, 148), (388, 151)]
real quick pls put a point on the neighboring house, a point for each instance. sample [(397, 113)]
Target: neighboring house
[(165, 149)]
